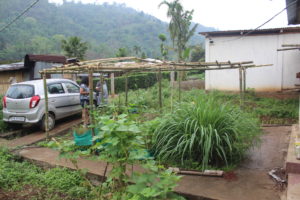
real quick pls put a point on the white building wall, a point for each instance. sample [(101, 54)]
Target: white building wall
[(261, 49)]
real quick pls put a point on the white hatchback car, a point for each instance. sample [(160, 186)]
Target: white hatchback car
[(24, 102)]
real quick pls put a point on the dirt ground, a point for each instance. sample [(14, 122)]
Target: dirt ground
[(250, 181)]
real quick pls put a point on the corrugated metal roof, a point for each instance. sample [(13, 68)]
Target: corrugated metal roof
[(253, 32), (47, 58), (12, 66)]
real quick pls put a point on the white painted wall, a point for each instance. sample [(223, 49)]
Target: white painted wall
[(261, 49)]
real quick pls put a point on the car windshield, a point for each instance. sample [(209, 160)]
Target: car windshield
[(20, 91)]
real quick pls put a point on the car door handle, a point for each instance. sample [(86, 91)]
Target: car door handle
[(52, 101)]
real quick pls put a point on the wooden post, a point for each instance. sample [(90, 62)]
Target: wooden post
[(101, 92), (91, 100), (171, 87), (244, 83), (46, 106), (172, 78), (126, 90), (241, 85), (159, 89), (244, 79), (112, 84), (179, 85)]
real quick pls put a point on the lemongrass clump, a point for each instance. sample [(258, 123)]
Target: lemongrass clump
[(205, 131)]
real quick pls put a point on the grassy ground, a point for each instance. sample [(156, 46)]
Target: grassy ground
[(269, 110)]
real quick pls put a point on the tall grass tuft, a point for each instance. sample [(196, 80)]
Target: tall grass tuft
[(206, 131)]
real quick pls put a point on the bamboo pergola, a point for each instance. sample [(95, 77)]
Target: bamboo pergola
[(137, 65)]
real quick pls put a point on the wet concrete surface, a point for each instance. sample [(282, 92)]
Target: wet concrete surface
[(271, 152), (37, 135), (251, 181)]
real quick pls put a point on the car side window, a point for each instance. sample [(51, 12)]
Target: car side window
[(72, 88), (56, 88)]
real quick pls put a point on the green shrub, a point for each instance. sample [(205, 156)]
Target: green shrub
[(136, 81), (15, 175), (206, 131)]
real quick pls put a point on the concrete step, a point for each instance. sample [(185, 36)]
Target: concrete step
[(292, 164), (41, 135), (293, 167), (244, 187), (293, 189)]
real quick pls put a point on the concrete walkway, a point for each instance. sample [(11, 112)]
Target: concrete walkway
[(250, 181), (38, 136), (293, 167)]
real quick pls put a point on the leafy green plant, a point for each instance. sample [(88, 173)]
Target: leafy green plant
[(15, 175), (206, 131), (120, 143), (147, 186)]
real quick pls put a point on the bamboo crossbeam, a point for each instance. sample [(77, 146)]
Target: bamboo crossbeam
[(286, 49), (208, 63), (290, 45), (98, 63), (145, 69), (107, 60), (111, 65)]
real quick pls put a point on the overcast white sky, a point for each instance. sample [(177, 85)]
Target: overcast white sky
[(221, 14)]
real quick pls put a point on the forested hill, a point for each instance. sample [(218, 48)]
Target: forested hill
[(105, 27)]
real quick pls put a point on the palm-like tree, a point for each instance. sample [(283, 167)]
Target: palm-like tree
[(179, 26), (74, 47), (163, 49), (137, 49)]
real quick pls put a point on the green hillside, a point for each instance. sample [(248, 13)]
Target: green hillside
[(105, 27)]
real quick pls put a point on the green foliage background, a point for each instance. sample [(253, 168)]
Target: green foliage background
[(105, 27)]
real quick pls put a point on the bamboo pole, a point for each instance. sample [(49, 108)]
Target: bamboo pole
[(286, 49), (46, 106), (149, 68), (241, 86), (244, 83), (179, 85), (101, 89), (159, 89), (112, 84), (126, 90), (171, 87), (91, 99), (172, 78)]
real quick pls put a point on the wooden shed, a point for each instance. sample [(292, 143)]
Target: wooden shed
[(10, 73), (29, 69)]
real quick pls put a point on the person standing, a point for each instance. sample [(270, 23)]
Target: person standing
[(84, 99), (102, 93)]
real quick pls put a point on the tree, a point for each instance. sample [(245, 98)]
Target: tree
[(136, 49), (197, 54), (179, 26), (163, 49), (180, 32), (122, 52), (74, 47), (143, 56)]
